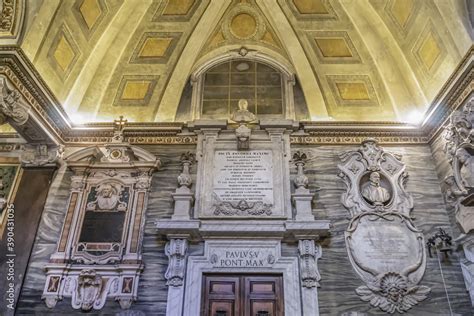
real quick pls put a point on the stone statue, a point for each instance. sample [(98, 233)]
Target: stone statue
[(466, 167), (373, 192), (243, 115), (108, 198)]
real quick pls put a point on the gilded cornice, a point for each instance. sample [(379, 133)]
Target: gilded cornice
[(54, 123)]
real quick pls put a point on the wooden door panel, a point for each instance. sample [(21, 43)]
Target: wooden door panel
[(222, 308), (263, 308), (242, 295)]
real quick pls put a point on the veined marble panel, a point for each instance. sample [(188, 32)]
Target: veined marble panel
[(338, 282)]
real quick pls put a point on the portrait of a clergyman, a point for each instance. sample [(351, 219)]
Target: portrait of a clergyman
[(108, 198), (373, 192)]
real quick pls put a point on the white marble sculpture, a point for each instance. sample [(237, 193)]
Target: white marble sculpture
[(459, 136), (459, 188), (385, 248)]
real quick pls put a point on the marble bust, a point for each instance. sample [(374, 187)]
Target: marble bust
[(466, 163), (243, 115), (373, 192), (108, 198)]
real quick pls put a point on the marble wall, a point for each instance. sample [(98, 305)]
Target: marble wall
[(336, 295)]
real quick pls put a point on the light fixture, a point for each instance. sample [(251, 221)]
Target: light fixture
[(441, 241)]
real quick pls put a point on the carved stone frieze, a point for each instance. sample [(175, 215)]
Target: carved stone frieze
[(309, 253), (459, 136), (176, 250), (385, 248)]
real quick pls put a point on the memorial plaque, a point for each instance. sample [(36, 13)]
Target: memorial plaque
[(250, 183), (384, 245), (243, 182), (244, 175), (243, 257)]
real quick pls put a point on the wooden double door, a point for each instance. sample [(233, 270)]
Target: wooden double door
[(242, 295)]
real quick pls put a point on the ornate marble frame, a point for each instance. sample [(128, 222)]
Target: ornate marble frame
[(380, 210), (287, 266), (270, 140), (75, 270)]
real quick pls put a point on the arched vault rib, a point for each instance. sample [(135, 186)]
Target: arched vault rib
[(169, 102), (401, 83), (312, 92), (124, 24), (36, 34)]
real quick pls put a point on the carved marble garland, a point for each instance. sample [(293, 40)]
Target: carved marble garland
[(110, 185), (384, 246)]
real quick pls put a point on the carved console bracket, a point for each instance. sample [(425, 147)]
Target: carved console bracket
[(176, 250), (380, 211), (41, 155), (98, 255), (16, 110), (309, 253)]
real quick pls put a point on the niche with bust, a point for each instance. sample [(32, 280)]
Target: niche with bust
[(98, 255), (375, 189), (380, 209)]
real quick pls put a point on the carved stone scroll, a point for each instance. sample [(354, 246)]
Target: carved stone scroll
[(176, 250), (98, 255), (385, 248)]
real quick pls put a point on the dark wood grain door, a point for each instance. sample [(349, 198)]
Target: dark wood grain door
[(242, 295)]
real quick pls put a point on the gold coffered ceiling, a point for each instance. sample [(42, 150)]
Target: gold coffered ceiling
[(367, 60)]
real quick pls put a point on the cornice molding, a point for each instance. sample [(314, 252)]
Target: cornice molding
[(51, 120)]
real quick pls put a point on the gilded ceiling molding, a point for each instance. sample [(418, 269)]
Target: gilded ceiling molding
[(12, 13), (52, 124)]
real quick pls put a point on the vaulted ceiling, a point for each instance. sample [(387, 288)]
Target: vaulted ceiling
[(369, 60)]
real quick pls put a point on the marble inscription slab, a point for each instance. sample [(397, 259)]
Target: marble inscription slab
[(242, 257), (243, 175), (383, 245)]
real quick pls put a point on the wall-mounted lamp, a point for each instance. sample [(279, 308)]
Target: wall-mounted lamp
[(440, 241)]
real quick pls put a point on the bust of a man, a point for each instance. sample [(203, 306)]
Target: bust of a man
[(373, 192), (243, 115), (467, 167)]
